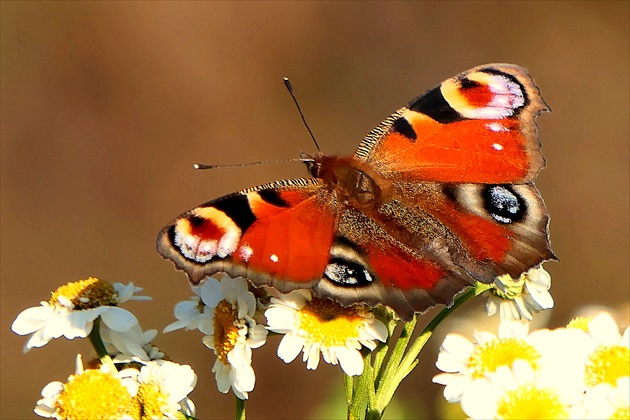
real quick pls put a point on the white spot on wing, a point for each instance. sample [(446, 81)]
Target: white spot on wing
[(228, 243), (274, 258), (246, 252), (497, 127), (195, 249), (497, 146)]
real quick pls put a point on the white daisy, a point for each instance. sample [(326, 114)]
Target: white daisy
[(89, 394), (517, 393), (72, 309), (559, 354), (163, 389), (193, 313), (521, 298), (464, 361), (610, 359), (131, 345), (313, 325), (605, 401), (232, 333)]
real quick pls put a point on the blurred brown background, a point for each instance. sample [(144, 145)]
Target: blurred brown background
[(105, 106)]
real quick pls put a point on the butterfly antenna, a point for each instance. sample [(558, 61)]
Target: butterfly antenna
[(240, 165), (289, 86)]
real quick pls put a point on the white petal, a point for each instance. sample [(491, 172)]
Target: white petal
[(351, 361), (222, 375), (119, 319), (210, 292), (542, 297), (604, 329), (257, 336), (492, 305), (458, 345), (455, 387), (289, 348), (480, 400), (32, 319), (281, 319)]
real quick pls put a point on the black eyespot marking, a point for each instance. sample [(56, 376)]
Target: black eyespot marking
[(236, 207), (402, 127), (347, 273), (450, 191), (195, 221), (466, 83), (435, 106), (272, 197), (504, 204), (345, 266)]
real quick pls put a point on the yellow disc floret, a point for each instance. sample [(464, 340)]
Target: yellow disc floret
[(607, 364), (329, 323), (148, 402), (93, 394), (502, 352), (581, 323), (226, 330), (530, 402), (85, 294)]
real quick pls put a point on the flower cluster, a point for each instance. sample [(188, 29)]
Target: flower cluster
[(230, 314), (581, 371), (130, 380)]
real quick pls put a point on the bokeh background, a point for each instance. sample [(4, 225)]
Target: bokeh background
[(105, 106)]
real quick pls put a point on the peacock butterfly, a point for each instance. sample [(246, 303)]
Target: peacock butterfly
[(440, 194)]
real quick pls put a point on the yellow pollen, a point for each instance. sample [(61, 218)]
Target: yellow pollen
[(529, 402), (86, 294), (581, 323), (488, 357), (225, 330), (148, 402), (513, 288), (328, 323), (93, 395), (622, 413), (607, 364)]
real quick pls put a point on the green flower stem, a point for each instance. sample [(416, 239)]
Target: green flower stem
[(361, 391), (398, 367), (348, 382), (239, 412), (398, 350), (99, 346)]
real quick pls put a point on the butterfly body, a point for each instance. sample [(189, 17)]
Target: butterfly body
[(440, 194)]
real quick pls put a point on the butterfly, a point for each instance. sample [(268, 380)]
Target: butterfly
[(439, 195)]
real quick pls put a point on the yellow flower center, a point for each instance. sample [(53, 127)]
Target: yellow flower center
[(148, 402), (607, 364), (85, 294), (530, 402), (581, 323), (622, 413), (328, 323), (513, 288), (488, 357), (93, 395), (225, 330)]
